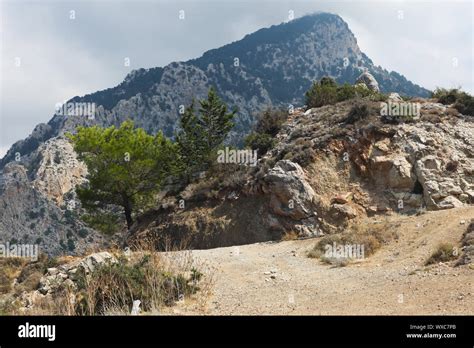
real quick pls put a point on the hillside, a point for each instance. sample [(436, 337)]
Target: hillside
[(326, 172)]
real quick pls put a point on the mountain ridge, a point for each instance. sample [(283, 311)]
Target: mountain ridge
[(266, 75)]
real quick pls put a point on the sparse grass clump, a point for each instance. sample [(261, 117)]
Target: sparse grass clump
[(113, 287), (444, 252), (371, 237)]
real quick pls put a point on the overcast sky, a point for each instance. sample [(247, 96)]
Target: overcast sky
[(50, 54)]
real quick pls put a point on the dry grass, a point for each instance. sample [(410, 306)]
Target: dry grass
[(371, 236), (289, 235), (10, 268), (444, 252), (158, 280)]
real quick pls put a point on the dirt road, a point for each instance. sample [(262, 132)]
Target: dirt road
[(278, 278)]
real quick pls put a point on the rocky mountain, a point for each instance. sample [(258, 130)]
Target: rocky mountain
[(273, 66)]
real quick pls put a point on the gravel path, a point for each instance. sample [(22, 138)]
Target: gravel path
[(278, 278)]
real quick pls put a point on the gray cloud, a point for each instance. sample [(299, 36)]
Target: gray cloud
[(61, 57)]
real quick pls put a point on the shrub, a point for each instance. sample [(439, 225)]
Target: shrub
[(327, 92), (260, 142), (463, 102), (357, 112), (303, 155), (71, 246), (116, 286), (33, 215), (83, 233), (270, 121), (322, 93), (444, 252), (446, 96), (267, 127)]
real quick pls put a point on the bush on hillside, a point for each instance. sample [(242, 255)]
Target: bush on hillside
[(357, 112), (267, 127), (114, 287), (327, 92), (463, 102)]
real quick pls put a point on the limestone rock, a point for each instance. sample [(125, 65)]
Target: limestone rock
[(344, 210), (367, 79), (291, 195), (450, 202)]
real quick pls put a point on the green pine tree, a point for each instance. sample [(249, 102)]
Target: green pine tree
[(126, 166), (216, 121), (201, 133)]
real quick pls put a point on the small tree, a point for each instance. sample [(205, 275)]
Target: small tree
[(201, 134), (126, 166), (190, 141), (216, 121)]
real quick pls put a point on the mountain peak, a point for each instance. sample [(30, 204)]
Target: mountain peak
[(273, 66)]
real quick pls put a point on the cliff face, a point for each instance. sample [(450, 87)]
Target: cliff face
[(31, 215)]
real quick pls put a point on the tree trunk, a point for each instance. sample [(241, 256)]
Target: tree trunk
[(128, 212)]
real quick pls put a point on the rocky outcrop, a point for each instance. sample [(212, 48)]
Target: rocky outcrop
[(291, 195), (59, 170), (29, 216), (66, 275), (369, 81)]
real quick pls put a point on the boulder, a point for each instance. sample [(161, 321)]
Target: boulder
[(395, 97), (367, 79), (400, 176), (89, 263), (450, 202), (291, 195), (344, 210)]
